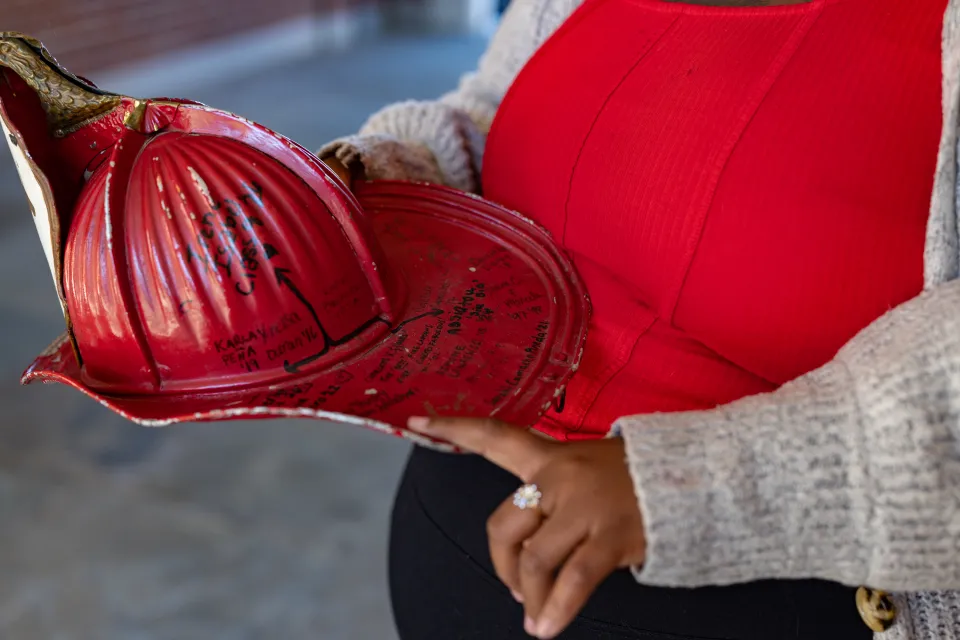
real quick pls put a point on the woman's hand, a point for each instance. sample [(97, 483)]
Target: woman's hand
[(588, 522), (345, 175)]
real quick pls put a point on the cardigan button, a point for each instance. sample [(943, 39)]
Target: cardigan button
[(876, 608)]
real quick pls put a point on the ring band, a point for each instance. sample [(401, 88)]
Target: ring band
[(527, 497)]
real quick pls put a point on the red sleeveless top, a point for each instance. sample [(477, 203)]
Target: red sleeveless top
[(742, 189)]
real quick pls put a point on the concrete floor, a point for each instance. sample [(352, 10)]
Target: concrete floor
[(231, 531)]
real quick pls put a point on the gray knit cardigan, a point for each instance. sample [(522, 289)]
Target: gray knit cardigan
[(849, 473)]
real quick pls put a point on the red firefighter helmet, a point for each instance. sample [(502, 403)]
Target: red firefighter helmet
[(210, 268)]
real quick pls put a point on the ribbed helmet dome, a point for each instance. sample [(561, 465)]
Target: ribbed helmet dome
[(195, 261)]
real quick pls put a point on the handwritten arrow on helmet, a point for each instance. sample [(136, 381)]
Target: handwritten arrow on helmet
[(283, 280)]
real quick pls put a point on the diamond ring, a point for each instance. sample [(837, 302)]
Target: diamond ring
[(527, 497)]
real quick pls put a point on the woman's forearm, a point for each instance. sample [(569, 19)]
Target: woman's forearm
[(850, 473), (442, 141)]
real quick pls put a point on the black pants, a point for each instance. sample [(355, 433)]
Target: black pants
[(443, 586)]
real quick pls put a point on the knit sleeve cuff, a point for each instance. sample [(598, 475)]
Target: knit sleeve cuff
[(451, 136), (762, 488), (383, 157)]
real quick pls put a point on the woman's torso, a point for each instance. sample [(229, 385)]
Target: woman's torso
[(742, 189)]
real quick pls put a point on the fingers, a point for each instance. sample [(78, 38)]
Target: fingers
[(583, 572), (340, 169), (512, 448), (507, 529), (540, 559)]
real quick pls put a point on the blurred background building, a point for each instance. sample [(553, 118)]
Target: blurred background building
[(237, 531), (132, 39)]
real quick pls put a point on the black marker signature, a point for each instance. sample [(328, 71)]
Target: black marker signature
[(283, 279)]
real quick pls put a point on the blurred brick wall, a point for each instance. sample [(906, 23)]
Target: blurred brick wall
[(88, 35)]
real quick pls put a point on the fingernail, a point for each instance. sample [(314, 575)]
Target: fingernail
[(530, 626), (417, 423), (545, 629), (516, 595)]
